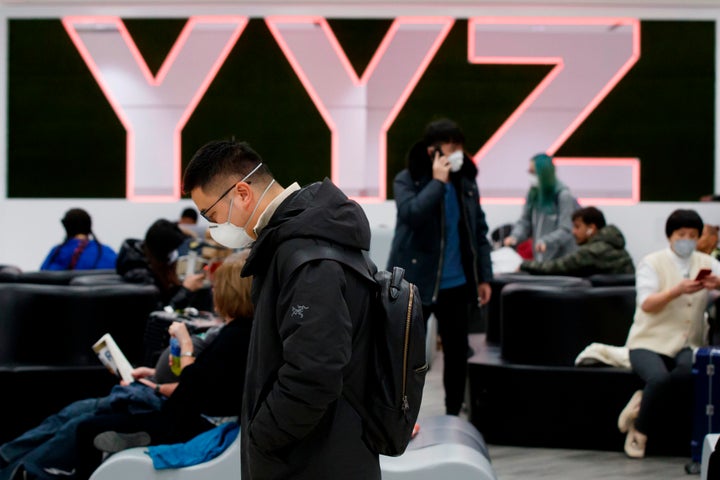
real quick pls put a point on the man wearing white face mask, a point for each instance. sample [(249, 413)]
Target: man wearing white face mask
[(310, 337), (441, 240), (669, 322)]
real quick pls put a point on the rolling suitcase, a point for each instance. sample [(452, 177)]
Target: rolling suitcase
[(706, 411)]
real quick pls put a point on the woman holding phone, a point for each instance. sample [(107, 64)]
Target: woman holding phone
[(672, 295)]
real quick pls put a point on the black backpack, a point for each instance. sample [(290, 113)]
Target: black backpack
[(398, 364)]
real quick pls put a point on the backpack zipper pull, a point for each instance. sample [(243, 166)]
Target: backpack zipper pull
[(405, 404)]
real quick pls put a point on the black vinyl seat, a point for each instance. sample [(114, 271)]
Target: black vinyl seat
[(528, 392), (48, 277), (551, 325), (612, 280), (46, 336), (98, 279), (498, 283)]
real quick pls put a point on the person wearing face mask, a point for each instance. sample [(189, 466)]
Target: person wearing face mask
[(601, 249), (311, 334), (669, 323), (547, 214), (441, 240)]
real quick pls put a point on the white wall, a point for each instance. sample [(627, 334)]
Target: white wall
[(31, 227)]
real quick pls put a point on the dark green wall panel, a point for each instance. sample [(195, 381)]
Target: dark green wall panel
[(65, 140)]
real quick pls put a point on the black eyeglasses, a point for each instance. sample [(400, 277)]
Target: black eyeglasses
[(206, 210)]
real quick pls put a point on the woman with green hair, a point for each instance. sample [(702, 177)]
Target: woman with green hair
[(547, 214)]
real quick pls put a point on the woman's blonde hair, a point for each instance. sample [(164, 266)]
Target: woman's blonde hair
[(231, 292)]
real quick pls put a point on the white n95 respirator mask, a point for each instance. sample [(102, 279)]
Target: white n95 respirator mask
[(456, 160)]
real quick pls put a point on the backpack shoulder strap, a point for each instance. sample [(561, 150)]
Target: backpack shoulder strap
[(358, 260)]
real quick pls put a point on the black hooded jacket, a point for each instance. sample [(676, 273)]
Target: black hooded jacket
[(310, 340), (133, 266), (418, 242)]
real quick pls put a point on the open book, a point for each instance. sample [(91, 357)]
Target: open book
[(113, 358)]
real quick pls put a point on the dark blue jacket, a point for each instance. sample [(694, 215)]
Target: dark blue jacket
[(418, 242)]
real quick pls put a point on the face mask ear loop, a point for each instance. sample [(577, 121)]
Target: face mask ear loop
[(258, 203), (230, 209)]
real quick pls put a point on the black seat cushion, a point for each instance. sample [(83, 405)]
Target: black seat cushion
[(56, 325), (49, 277), (612, 280), (551, 325), (499, 282)]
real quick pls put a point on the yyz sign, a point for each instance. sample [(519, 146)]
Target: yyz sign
[(588, 57)]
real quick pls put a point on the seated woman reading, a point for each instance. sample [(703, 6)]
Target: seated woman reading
[(171, 411)]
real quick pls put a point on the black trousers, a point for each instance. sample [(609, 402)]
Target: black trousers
[(452, 312), (660, 373)]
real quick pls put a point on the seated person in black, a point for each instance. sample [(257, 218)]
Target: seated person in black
[(53, 440), (179, 408), (152, 262), (210, 387)]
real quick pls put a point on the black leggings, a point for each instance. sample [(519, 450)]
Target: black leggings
[(659, 372), (452, 312)]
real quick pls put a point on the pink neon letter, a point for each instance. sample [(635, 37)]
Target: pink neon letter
[(590, 56), (359, 111), (154, 110)]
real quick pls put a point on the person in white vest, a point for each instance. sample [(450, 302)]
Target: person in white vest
[(669, 322)]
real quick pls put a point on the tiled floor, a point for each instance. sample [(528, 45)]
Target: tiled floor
[(515, 463)]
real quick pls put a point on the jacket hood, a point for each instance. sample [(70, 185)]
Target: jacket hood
[(420, 163), (130, 256), (611, 235), (318, 211)]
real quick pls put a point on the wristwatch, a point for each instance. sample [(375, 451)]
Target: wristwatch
[(157, 388), (187, 354)]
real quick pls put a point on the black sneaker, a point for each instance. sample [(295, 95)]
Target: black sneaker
[(112, 442), (692, 468)]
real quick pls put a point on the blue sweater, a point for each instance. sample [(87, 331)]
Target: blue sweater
[(61, 255)]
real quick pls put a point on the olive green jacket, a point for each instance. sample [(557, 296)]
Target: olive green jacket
[(604, 252)]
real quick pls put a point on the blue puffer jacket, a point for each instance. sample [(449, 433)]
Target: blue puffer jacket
[(419, 229)]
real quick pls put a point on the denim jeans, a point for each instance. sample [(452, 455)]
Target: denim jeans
[(53, 443)]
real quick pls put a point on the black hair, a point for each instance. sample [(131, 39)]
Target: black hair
[(76, 221), (443, 130), (162, 238), (190, 213), (590, 216), (219, 159), (682, 218)]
